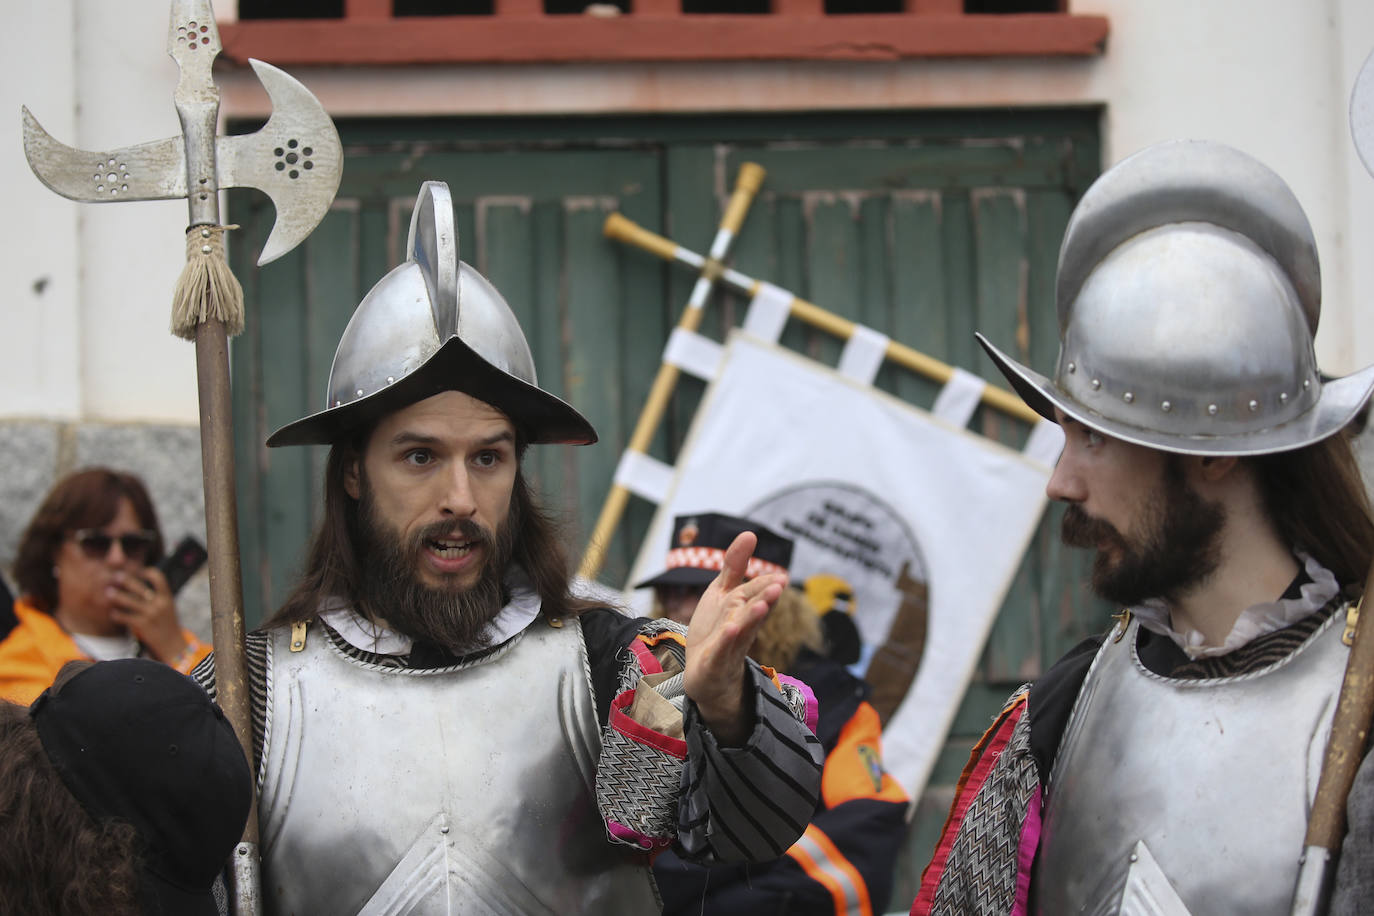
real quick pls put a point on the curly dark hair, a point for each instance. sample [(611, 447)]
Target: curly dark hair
[(55, 859), (84, 499)]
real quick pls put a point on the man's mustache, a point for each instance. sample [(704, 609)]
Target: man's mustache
[(1079, 529), (464, 528)]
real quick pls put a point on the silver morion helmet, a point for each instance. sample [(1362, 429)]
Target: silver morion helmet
[(434, 324), (1189, 293)]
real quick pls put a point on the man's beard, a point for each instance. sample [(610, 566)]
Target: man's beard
[(452, 617), (1179, 547)]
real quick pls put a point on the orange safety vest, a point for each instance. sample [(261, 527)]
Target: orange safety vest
[(35, 650)]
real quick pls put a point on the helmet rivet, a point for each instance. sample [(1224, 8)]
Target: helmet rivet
[(338, 403), (1128, 397), (1306, 383), (1073, 367), (1254, 405), (360, 392), (390, 380), (1096, 384), (1283, 397), (1212, 409), (1166, 406)]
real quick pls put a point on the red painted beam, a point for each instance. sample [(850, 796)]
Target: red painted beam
[(469, 39)]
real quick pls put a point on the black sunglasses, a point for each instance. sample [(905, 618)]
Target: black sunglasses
[(136, 545)]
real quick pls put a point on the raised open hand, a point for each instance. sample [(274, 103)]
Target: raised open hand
[(719, 638)]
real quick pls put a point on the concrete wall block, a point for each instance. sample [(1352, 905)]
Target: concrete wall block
[(29, 454), (166, 457)]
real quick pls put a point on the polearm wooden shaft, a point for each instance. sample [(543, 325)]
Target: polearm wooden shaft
[(197, 105), (222, 538), (625, 230), (1345, 751), (710, 269)]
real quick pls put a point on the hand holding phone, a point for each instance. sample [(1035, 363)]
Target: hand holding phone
[(182, 562)]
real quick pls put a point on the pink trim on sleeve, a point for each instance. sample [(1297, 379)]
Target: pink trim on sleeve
[(635, 838), (648, 662), (621, 722), (813, 706), (1025, 855)]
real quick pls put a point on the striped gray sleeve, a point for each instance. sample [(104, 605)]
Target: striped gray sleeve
[(749, 803), (255, 648)]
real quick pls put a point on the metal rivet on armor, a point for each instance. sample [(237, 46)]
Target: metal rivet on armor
[(1073, 367), (360, 392), (204, 249), (390, 380), (1212, 409), (337, 403), (1128, 397), (1283, 397), (1166, 406), (1134, 857), (205, 233), (443, 829), (1254, 405), (1306, 383), (1096, 384)]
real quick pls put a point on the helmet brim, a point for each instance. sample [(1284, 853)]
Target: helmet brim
[(1340, 400), (539, 417)]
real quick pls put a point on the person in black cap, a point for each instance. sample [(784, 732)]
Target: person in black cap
[(844, 861), (123, 790), (697, 554)]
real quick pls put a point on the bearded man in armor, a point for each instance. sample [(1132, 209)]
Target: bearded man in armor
[(1169, 766), (440, 724)]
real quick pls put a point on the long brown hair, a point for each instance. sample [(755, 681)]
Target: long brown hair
[(84, 499), (332, 566), (55, 859), (1318, 501)]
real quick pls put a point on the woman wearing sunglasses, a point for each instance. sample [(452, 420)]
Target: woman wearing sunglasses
[(90, 587)]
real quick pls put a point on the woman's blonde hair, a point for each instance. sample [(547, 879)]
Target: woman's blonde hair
[(792, 625)]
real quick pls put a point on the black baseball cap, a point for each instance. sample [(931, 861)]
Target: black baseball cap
[(697, 550), (135, 740)]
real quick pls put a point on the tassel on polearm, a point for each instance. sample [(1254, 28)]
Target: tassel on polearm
[(207, 288)]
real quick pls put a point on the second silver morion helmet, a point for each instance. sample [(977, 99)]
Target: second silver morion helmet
[(434, 324), (1189, 293)]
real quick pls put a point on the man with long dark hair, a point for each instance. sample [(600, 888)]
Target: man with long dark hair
[(1169, 766), (440, 725)]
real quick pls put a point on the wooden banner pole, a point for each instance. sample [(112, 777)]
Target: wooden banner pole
[(710, 269)]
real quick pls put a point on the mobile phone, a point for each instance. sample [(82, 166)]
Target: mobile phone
[(183, 562)]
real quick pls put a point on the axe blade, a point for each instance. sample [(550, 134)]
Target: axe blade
[(296, 159), (148, 171)]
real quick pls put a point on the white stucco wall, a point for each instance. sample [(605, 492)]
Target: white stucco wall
[(93, 344), (1270, 76)]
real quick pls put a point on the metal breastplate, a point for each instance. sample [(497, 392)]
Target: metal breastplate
[(453, 791), (1170, 792)]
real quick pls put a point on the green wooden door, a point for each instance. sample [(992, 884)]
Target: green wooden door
[(925, 226)]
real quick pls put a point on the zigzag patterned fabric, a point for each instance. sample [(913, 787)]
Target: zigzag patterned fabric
[(981, 866)]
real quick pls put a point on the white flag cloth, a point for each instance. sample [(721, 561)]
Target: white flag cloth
[(875, 491)]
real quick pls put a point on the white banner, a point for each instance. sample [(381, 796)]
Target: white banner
[(927, 521)]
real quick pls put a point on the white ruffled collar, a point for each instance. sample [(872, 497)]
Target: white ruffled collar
[(1255, 621), (379, 639)]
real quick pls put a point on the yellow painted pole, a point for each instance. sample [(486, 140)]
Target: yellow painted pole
[(710, 269), (624, 230)]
